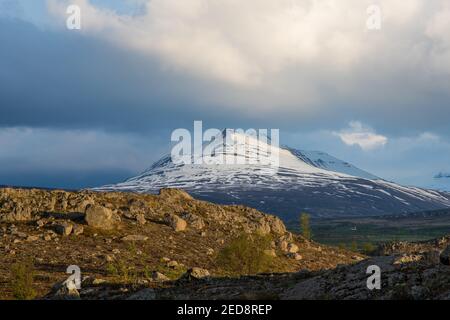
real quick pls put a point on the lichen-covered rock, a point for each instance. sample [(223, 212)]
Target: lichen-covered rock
[(270, 252), (159, 277), (63, 228), (137, 207), (140, 218), (81, 206), (197, 273), (276, 225), (283, 245), (101, 217), (408, 258), (135, 237), (295, 256), (194, 221), (19, 213), (175, 222), (292, 248), (78, 229)]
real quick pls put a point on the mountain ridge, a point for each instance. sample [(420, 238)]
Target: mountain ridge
[(297, 184)]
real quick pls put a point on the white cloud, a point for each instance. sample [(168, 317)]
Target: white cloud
[(362, 136), (247, 42), (289, 60)]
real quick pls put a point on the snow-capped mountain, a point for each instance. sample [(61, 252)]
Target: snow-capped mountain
[(303, 181), (441, 181)]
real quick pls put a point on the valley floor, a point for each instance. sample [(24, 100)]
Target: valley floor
[(359, 232)]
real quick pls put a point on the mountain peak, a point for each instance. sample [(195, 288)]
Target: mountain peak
[(309, 181)]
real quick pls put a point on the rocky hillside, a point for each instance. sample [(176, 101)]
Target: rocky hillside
[(134, 246), (417, 275), (125, 239), (404, 247)]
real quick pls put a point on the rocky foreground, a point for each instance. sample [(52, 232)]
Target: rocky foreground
[(133, 246)]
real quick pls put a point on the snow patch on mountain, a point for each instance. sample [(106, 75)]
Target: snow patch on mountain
[(325, 161)]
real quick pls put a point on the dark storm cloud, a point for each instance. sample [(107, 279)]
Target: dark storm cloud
[(72, 180), (63, 80)]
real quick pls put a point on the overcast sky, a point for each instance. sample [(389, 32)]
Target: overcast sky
[(93, 106)]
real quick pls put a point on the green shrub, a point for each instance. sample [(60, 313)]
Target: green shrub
[(22, 281), (171, 273), (246, 255), (368, 248), (111, 270), (354, 246), (304, 226), (122, 271)]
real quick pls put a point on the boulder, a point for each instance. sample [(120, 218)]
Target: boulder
[(40, 223), (283, 244), (295, 256), (262, 227), (194, 221), (98, 281), (82, 206), (136, 207), (196, 273), (78, 229), (32, 238), (276, 225), (175, 222), (158, 276), (292, 248), (63, 228), (408, 258), (100, 217), (19, 214), (172, 264), (135, 237), (270, 252), (109, 258), (140, 218)]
